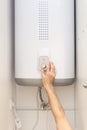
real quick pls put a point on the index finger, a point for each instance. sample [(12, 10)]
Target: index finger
[(52, 67)]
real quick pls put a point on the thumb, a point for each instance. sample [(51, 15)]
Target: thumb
[(42, 73)]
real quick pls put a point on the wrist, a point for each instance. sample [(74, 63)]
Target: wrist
[(48, 87)]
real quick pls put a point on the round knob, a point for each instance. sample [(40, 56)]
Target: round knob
[(43, 66)]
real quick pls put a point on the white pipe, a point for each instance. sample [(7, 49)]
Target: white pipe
[(81, 64)]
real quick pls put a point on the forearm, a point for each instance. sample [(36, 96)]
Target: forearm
[(57, 110), (55, 104)]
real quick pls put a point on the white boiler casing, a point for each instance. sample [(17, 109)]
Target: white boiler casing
[(44, 31)]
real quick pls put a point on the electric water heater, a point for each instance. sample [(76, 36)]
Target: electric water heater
[(44, 31)]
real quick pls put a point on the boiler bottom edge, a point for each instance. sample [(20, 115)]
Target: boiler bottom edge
[(38, 82)]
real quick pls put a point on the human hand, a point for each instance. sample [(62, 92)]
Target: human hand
[(48, 75)]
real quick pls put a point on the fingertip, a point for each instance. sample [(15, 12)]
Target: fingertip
[(52, 64), (42, 71), (53, 69), (47, 66)]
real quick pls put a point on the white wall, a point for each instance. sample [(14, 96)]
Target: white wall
[(6, 122), (81, 92)]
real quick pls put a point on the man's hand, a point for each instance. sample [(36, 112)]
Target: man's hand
[(48, 75)]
